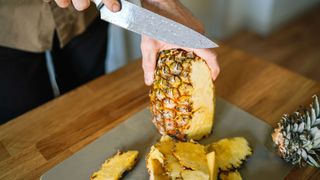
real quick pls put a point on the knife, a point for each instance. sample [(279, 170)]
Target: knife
[(142, 21)]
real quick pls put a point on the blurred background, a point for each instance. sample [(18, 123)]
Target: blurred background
[(285, 32)]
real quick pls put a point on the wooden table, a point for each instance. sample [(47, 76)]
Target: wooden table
[(36, 141)]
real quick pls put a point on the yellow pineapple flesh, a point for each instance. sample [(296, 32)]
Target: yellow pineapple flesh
[(114, 167), (212, 165), (156, 170), (192, 156), (179, 160), (231, 152), (182, 95), (232, 175)]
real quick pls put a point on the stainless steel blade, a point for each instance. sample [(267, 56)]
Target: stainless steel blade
[(143, 21)]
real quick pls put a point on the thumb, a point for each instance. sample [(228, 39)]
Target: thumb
[(148, 65), (112, 5)]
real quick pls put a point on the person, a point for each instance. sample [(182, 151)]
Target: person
[(77, 40)]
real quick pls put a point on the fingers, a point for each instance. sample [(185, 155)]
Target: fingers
[(63, 3), (149, 58), (112, 5), (211, 58), (81, 5)]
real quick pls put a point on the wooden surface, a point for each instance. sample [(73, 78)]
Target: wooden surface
[(35, 142), (295, 46)]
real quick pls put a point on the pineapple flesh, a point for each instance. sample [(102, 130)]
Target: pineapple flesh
[(114, 167), (212, 165), (192, 156), (182, 95), (232, 175), (179, 160), (231, 152), (174, 159)]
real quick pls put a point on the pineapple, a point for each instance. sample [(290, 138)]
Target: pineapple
[(230, 152), (212, 165), (156, 170), (177, 160), (113, 168), (182, 95), (192, 156), (232, 175), (172, 159), (297, 137)]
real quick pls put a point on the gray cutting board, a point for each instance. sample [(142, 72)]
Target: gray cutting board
[(138, 133)]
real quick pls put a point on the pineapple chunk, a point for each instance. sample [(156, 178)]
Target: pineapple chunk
[(231, 152), (212, 165), (114, 167), (155, 170), (156, 154), (194, 175), (233, 175), (192, 156), (170, 163)]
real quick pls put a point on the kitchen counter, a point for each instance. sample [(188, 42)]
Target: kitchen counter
[(38, 140)]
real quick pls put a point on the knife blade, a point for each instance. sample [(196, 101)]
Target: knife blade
[(142, 21)]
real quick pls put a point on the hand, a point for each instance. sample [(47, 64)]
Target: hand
[(80, 5), (172, 9)]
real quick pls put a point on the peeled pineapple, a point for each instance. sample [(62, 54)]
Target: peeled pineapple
[(182, 95), (231, 152), (232, 175), (113, 168)]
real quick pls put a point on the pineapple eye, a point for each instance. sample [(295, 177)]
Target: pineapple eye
[(165, 71), (176, 68), (185, 89), (173, 93), (185, 77), (185, 110), (184, 100), (174, 81), (170, 125), (168, 114), (159, 94), (168, 103), (190, 55), (163, 84), (183, 120)]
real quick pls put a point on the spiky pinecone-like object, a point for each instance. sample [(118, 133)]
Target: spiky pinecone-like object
[(297, 137)]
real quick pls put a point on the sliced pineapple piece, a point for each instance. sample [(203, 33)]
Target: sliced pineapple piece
[(170, 163), (173, 167), (114, 167), (212, 165), (156, 154), (194, 175), (231, 152), (192, 156), (232, 175), (155, 170)]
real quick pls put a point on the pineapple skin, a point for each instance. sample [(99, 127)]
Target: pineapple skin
[(182, 95)]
